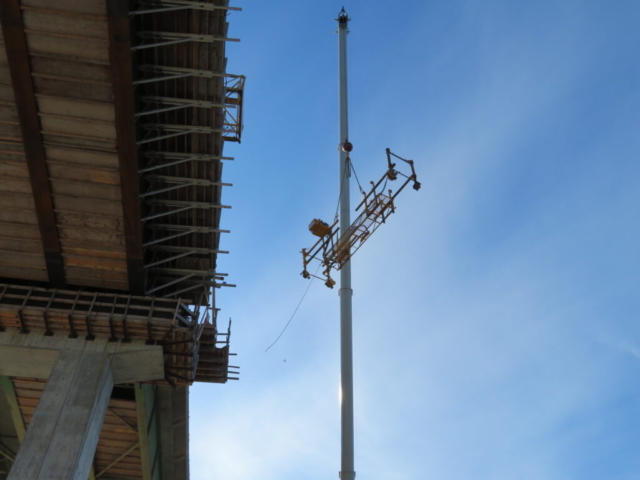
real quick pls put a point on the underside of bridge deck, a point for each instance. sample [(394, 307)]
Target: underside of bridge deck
[(113, 117)]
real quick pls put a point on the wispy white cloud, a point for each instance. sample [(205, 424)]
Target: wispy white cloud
[(283, 428)]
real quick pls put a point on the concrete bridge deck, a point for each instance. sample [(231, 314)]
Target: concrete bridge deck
[(113, 119)]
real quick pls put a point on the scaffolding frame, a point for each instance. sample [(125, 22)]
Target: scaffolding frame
[(188, 107)]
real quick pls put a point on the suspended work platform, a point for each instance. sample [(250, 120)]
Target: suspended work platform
[(334, 249)]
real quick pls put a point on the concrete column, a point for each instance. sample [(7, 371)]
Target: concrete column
[(62, 437)]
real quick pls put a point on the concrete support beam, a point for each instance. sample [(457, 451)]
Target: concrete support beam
[(148, 431), (34, 355), (165, 420), (181, 431), (6, 385), (173, 419), (63, 434)]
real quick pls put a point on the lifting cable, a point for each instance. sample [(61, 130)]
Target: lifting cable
[(347, 171), (353, 169)]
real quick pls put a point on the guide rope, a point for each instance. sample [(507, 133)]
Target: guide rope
[(295, 311)]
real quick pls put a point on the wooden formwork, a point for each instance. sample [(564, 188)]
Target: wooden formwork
[(190, 346), (113, 117)]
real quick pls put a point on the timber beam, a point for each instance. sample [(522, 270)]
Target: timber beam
[(122, 79), (15, 43)]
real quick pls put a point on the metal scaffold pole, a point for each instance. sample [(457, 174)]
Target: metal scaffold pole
[(347, 469)]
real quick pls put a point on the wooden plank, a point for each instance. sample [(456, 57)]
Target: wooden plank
[(75, 156), (73, 141), (18, 215), (71, 248), (75, 49), (94, 279), (27, 393), (68, 107), (6, 94), (120, 286), (67, 88), (115, 425), (119, 477), (97, 276), (12, 148), (78, 127), (17, 54), (94, 222), (10, 168), (87, 190), (94, 263), (64, 171), (122, 80), (9, 113), (15, 259), (53, 67), (10, 131), (88, 7), (19, 230), (105, 456), (90, 235), (118, 431), (28, 385), (122, 474), (15, 184), (20, 245), (57, 22), (112, 444), (23, 273), (130, 461), (16, 200), (87, 205)]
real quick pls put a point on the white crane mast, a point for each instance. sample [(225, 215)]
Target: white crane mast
[(347, 468)]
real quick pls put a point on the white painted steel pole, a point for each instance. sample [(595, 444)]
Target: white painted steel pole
[(347, 469)]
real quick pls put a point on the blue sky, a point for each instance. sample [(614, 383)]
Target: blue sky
[(496, 323)]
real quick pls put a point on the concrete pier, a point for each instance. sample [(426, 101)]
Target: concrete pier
[(63, 434)]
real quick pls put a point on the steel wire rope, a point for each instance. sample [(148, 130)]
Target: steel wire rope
[(353, 169), (295, 311)]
